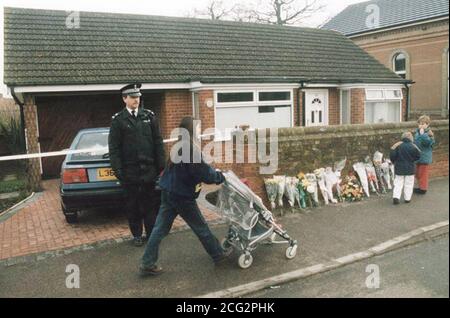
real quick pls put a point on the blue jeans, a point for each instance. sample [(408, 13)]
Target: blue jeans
[(188, 209)]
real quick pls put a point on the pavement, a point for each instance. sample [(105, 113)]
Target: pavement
[(324, 234)]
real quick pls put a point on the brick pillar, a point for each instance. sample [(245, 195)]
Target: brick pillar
[(358, 97), (206, 113), (33, 166)]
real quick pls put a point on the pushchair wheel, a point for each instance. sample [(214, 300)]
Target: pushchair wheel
[(291, 251), (245, 260), (225, 244)]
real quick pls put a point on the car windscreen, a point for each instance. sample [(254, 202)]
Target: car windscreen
[(92, 140)]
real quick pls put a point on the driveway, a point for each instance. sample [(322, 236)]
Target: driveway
[(40, 226)]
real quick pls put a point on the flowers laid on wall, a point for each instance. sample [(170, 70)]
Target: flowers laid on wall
[(374, 175)]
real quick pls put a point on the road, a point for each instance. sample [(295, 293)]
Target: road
[(420, 270)]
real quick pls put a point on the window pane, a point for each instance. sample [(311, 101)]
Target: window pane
[(271, 109), (393, 94), (400, 63), (345, 107), (374, 94), (234, 97), (382, 112), (271, 96), (91, 140)]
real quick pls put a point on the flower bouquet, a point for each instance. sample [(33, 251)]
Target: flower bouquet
[(291, 192), (371, 176), (386, 175), (281, 181), (377, 162), (351, 190), (272, 191), (326, 194), (311, 188), (360, 170), (301, 186), (332, 181)]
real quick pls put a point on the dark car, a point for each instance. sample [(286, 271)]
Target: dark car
[(87, 180)]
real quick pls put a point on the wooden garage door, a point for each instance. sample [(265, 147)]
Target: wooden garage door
[(60, 118)]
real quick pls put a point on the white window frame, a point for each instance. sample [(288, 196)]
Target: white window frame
[(383, 93), (234, 104), (393, 64), (384, 99), (255, 102)]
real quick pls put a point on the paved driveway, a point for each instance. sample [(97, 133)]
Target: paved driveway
[(40, 226)]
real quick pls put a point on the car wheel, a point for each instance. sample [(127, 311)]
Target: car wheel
[(71, 218)]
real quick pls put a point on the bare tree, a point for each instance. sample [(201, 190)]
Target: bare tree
[(215, 10), (285, 12), (282, 12)]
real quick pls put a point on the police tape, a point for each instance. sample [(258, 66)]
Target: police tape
[(89, 151)]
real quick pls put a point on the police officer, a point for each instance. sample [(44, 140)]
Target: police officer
[(137, 158)]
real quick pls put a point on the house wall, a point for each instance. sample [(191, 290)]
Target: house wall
[(426, 47), (357, 97)]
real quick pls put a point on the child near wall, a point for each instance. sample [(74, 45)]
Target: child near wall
[(404, 154)]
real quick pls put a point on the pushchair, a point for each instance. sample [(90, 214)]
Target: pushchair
[(250, 223)]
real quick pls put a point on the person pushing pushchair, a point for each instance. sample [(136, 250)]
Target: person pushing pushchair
[(181, 185)]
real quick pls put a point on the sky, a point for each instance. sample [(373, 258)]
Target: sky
[(150, 7)]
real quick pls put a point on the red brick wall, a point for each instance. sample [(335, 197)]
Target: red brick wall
[(334, 112), (358, 97), (206, 113), (33, 167), (296, 105), (176, 104)]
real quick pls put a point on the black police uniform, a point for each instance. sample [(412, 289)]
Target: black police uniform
[(137, 157)]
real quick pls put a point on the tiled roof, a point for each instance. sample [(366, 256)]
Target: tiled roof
[(352, 20), (119, 48)]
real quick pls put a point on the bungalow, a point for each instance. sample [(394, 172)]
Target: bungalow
[(67, 73)]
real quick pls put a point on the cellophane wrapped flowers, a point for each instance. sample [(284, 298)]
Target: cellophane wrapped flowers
[(272, 191)]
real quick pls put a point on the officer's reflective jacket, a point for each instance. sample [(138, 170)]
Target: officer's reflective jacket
[(136, 147)]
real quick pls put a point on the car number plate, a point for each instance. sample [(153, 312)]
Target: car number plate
[(105, 174)]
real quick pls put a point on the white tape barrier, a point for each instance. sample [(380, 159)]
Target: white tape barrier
[(91, 151)]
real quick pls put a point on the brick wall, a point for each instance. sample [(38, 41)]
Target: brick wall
[(357, 98), (334, 112), (176, 104), (206, 113), (305, 149), (33, 166)]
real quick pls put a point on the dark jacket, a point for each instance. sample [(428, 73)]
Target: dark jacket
[(404, 158), (184, 180), (425, 144), (136, 147)]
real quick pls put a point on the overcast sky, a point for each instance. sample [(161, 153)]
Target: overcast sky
[(152, 7)]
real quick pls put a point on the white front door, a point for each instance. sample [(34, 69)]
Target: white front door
[(316, 107)]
